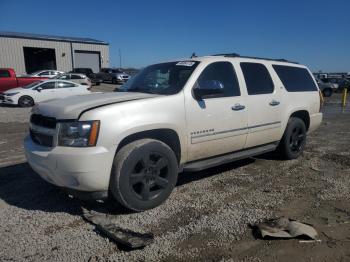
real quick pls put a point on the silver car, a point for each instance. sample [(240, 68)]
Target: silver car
[(80, 79)]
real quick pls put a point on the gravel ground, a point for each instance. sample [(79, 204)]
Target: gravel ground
[(205, 218)]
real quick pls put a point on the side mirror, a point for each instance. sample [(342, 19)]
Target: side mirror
[(207, 88), (39, 89)]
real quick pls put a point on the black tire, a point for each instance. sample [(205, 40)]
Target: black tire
[(144, 174), (293, 141), (327, 92), (98, 83), (114, 81), (25, 101)]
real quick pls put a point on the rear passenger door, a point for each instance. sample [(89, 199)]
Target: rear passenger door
[(263, 105), (216, 124)]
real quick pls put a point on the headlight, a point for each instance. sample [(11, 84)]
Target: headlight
[(78, 133), (11, 94)]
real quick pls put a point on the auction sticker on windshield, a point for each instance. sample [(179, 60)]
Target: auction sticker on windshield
[(185, 63)]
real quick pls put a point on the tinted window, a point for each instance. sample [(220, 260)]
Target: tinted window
[(295, 79), (257, 79), (65, 85), (48, 85), (4, 73), (225, 73), (75, 77)]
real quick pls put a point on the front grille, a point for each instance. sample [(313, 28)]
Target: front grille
[(41, 139), (2, 97), (43, 121)]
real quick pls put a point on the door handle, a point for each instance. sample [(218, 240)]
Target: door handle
[(238, 107), (274, 103)]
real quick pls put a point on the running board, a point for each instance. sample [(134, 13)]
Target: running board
[(227, 158)]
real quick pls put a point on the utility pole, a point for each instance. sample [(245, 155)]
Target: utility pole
[(120, 59)]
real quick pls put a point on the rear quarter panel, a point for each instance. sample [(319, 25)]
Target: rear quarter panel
[(292, 102)]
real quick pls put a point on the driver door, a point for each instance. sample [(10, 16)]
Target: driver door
[(217, 123)]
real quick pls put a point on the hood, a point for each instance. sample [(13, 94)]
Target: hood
[(13, 90), (72, 107)]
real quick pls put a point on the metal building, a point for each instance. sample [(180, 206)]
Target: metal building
[(27, 53)]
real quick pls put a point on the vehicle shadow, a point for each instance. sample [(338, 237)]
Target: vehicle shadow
[(189, 177), (21, 187), (8, 105)]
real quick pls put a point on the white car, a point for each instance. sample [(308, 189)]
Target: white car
[(177, 116), (42, 91), (46, 73)]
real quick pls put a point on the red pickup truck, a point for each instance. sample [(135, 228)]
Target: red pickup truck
[(8, 79)]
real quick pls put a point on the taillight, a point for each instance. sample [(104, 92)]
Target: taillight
[(321, 99)]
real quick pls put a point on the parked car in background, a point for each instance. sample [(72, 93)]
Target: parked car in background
[(46, 73), (113, 75), (326, 88), (80, 79), (95, 79), (341, 82), (171, 117), (8, 79), (42, 91)]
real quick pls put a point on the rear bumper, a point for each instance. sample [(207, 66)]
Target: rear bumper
[(315, 121)]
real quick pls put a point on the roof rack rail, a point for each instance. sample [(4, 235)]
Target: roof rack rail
[(254, 57)]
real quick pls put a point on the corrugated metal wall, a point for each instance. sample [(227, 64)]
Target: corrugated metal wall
[(11, 52)]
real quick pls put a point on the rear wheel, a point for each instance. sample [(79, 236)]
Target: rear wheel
[(294, 139), (25, 101), (144, 174)]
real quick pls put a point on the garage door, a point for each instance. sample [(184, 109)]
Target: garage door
[(87, 60)]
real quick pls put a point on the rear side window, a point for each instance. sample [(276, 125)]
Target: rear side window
[(295, 79), (257, 79), (4, 73), (225, 73), (65, 85)]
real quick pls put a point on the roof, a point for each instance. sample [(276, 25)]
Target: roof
[(250, 59), (52, 38), (258, 58)]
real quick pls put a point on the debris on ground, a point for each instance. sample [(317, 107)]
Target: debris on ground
[(285, 228), (126, 237), (123, 236)]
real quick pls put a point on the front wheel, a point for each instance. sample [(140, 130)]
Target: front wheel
[(144, 174), (327, 92), (294, 139), (25, 101)]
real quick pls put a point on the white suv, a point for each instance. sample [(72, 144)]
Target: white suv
[(172, 117)]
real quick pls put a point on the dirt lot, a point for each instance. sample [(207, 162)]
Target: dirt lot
[(206, 217)]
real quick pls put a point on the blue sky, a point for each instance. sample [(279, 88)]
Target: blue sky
[(315, 33)]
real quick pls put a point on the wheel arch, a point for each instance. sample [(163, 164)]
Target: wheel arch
[(303, 115), (25, 95), (165, 135)]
